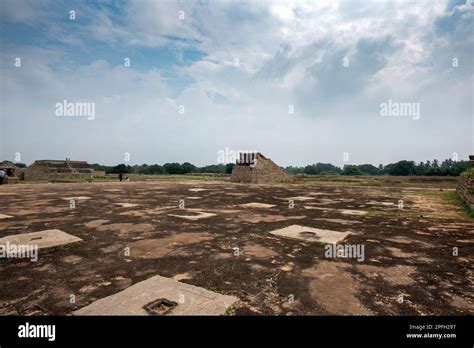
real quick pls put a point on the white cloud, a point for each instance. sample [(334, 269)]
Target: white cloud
[(290, 53)]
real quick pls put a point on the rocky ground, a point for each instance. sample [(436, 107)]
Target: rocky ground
[(418, 246)]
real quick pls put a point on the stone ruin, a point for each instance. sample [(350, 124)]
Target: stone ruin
[(465, 187), (253, 167), (57, 169), (12, 172)]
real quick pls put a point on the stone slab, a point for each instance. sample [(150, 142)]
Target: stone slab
[(43, 239), (198, 215), (5, 216), (381, 203), (257, 205), (126, 205), (299, 198), (78, 198), (197, 189), (311, 234), (191, 300), (353, 212)]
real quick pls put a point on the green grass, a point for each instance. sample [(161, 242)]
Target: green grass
[(429, 193), (393, 213), (468, 172), (83, 305), (375, 181), (453, 198), (230, 311), (58, 248)]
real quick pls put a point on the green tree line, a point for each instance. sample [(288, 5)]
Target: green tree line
[(447, 167), (167, 168), (403, 168)]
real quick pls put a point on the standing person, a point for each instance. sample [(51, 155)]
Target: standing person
[(2, 176), (120, 176)]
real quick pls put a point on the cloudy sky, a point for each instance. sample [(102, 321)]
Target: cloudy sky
[(302, 82)]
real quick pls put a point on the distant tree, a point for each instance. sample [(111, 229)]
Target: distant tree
[(402, 168), (446, 167), (458, 167), (369, 169), (435, 171), (121, 168), (318, 168), (187, 167), (420, 169), (311, 170), (97, 166), (351, 170), (229, 167), (21, 165), (331, 173), (294, 170), (172, 168), (155, 169), (148, 169)]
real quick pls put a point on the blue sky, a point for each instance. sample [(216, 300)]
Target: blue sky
[(237, 68)]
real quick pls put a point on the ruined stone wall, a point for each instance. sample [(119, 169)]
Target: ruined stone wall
[(243, 173), (264, 171), (33, 174), (11, 180), (98, 173), (36, 175), (267, 172), (52, 169), (466, 187)]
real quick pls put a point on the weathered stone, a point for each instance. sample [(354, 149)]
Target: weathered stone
[(58, 169), (194, 215), (311, 234), (190, 300), (256, 168), (257, 205), (127, 205), (43, 239), (465, 187)]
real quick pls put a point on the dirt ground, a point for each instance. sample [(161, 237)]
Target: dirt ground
[(408, 234)]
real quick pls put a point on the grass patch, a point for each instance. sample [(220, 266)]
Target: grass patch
[(429, 193), (383, 181), (453, 198), (394, 213), (83, 305), (58, 248), (230, 311)]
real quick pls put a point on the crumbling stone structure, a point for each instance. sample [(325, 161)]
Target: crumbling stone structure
[(253, 167), (465, 187), (11, 171), (57, 169)]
